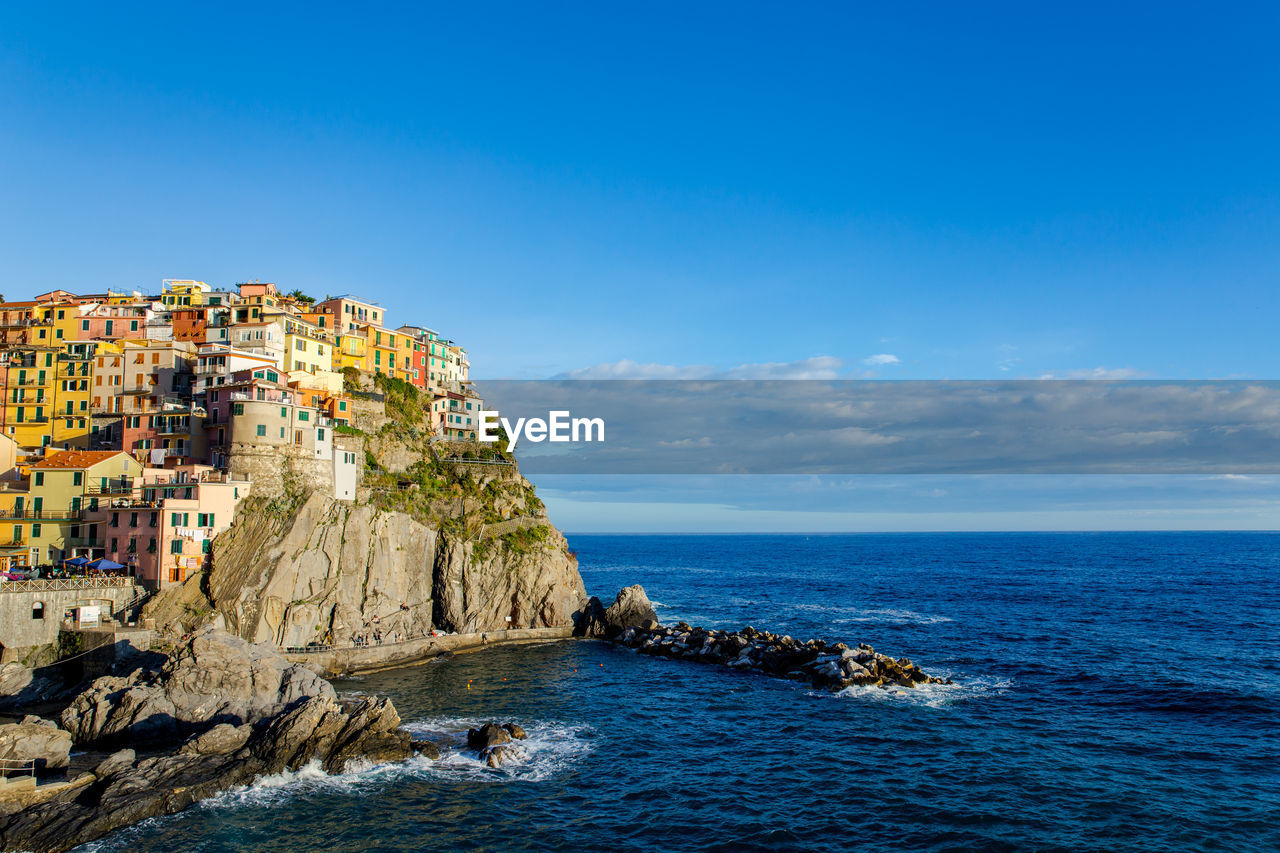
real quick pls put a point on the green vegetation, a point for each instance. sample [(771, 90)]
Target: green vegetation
[(404, 402), (70, 643), (350, 379), (343, 429)]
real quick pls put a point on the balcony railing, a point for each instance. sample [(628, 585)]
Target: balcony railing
[(38, 514), (109, 489), (64, 584)]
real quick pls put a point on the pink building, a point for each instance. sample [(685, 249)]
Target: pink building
[(165, 530), (128, 321)]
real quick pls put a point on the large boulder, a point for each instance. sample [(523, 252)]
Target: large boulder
[(487, 736), (41, 742), (631, 609), (213, 678)]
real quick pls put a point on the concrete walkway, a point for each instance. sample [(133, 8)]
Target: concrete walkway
[(353, 659)]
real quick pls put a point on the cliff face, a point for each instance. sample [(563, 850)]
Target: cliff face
[(438, 538), (336, 573)]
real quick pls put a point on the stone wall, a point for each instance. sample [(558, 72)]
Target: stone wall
[(277, 470), (20, 631)]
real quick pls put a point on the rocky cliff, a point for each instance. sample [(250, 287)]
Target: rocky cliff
[(442, 536)]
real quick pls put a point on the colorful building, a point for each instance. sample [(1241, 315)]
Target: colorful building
[(66, 489)]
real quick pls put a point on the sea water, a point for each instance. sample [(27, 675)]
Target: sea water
[(1113, 691)]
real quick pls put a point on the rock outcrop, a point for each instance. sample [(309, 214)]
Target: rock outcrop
[(495, 744), (21, 687), (219, 713), (35, 740), (630, 609), (214, 678), (833, 666)]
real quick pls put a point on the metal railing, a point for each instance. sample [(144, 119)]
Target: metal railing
[(38, 514), (17, 768), (65, 584)]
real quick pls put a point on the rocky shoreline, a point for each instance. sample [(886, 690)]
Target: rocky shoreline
[(217, 713)]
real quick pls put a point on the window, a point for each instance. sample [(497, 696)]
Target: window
[(320, 434), (175, 547), (37, 610), (39, 475), (282, 432), (151, 547), (304, 416), (342, 405), (284, 413), (77, 478), (262, 430), (206, 546), (238, 409), (84, 325), (35, 531)]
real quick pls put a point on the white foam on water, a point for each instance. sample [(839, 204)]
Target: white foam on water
[(878, 615), (965, 689), (550, 749)]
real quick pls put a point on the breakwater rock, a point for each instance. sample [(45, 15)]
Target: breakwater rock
[(833, 666), (495, 743), (220, 712)]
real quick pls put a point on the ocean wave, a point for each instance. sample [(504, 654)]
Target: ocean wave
[(878, 615), (965, 689), (550, 749)]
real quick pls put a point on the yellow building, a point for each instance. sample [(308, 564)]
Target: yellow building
[(64, 488), (381, 346), (70, 415), (255, 308), (15, 526), (352, 351), (30, 379), (408, 350), (183, 292), (57, 322), (305, 346)]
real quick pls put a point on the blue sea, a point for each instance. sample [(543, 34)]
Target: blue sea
[(1112, 692)]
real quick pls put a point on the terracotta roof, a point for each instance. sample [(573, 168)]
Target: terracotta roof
[(78, 458)]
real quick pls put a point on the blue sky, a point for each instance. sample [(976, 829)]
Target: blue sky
[(923, 191)]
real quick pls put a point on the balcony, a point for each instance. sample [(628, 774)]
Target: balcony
[(38, 515), (109, 489)]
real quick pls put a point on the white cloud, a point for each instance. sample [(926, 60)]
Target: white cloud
[(628, 369), (818, 367), (881, 359), (1094, 373)]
